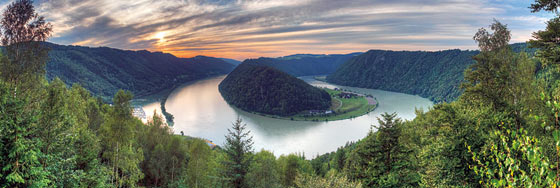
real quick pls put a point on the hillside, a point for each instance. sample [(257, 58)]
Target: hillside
[(305, 64), (105, 70), (433, 75), (264, 89)]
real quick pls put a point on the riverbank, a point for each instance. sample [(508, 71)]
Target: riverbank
[(161, 98), (200, 111)]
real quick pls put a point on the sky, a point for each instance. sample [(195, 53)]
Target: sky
[(241, 29)]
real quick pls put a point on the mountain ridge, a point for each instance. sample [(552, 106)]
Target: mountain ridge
[(435, 75), (104, 70)]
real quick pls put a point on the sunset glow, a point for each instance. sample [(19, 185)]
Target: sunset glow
[(249, 29)]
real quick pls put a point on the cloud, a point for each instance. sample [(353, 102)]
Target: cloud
[(252, 28)]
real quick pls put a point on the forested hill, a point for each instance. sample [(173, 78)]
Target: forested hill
[(256, 88), (105, 70), (305, 64), (433, 75)]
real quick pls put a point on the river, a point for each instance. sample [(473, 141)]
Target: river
[(200, 111)]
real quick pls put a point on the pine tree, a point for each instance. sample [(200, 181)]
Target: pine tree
[(19, 164), (238, 148), (389, 165)]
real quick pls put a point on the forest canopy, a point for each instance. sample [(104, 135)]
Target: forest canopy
[(257, 88)]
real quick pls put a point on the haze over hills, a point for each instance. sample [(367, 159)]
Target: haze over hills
[(231, 61), (433, 75), (256, 88), (105, 70), (305, 64)]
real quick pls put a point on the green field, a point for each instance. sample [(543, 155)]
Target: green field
[(343, 108)]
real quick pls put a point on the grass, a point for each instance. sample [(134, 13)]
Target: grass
[(343, 109)]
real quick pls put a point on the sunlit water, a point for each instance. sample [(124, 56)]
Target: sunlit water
[(200, 111)]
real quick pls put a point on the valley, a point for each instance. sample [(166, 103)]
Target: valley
[(279, 94), (200, 111)]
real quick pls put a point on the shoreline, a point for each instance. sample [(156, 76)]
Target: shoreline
[(162, 96), (298, 117)]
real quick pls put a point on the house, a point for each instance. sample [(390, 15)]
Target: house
[(346, 95)]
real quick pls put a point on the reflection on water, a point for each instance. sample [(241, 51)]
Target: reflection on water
[(200, 111)]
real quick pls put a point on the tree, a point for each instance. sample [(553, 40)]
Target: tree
[(290, 168), (263, 171), (339, 159), (118, 135), (19, 164), (548, 43), (514, 159), (381, 159), (546, 5), (331, 181), (23, 30), (165, 155), (438, 138), (238, 148), (500, 78), (197, 168), (493, 41), (485, 79), (53, 119)]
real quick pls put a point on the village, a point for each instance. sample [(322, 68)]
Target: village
[(338, 95)]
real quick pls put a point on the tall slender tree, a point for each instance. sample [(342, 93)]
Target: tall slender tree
[(19, 164), (238, 147), (118, 136), (23, 30)]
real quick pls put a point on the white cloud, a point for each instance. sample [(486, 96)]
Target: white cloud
[(250, 28)]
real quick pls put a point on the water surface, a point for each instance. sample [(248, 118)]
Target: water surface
[(200, 111)]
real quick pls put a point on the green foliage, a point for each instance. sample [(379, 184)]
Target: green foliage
[(438, 139), (291, 166), (498, 135), (433, 75), (104, 71), (198, 168), (331, 181), (263, 171), (513, 159), (263, 89), (119, 150), (546, 5), (165, 155), (23, 30), (238, 149), (390, 165), (19, 164)]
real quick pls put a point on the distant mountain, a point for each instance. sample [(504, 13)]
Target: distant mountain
[(231, 61), (258, 88), (305, 64), (105, 70), (433, 75)]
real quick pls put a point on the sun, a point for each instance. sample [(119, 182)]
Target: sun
[(160, 36)]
